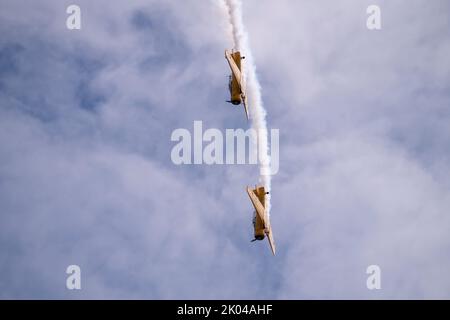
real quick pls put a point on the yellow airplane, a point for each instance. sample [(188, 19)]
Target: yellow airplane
[(261, 222), (236, 84)]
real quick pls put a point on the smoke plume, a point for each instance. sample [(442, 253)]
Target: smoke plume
[(253, 90)]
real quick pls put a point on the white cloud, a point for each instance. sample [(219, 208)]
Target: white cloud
[(85, 172)]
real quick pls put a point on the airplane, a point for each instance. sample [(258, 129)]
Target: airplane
[(236, 84), (261, 222)]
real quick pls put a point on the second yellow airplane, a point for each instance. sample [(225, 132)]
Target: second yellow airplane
[(261, 221)]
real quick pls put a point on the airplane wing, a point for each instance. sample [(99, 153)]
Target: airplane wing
[(268, 231), (259, 208), (234, 68), (244, 101), (243, 90), (271, 241)]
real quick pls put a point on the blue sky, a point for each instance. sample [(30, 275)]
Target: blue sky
[(86, 177)]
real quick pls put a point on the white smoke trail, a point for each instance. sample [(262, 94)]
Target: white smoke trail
[(253, 91)]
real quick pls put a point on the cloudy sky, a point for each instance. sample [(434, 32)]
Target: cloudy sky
[(86, 176)]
